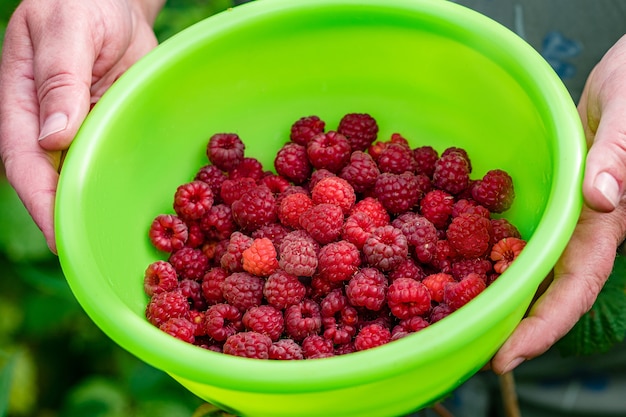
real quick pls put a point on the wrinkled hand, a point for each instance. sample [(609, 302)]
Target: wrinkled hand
[(588, 259), (58, 58)]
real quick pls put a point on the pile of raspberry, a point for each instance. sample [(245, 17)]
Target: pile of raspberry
[(349, 243)]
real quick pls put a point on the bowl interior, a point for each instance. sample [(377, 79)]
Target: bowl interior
[(437, 73)]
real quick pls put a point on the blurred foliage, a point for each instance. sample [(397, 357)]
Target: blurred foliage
[(54, 362)]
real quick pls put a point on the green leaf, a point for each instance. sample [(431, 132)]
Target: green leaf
[(604, 325)]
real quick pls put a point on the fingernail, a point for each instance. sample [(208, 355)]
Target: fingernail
[(56, 122), (513, 364), (607, 185)]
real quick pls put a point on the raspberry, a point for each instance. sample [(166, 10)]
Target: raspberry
[(396, 158), (215, 251), (344, 349), (421, 235), (334, 190), (436, 283), (275, 232), (386, 248), (255, 208), (407, 298), (232, 259), (315, 347), (408, 326), (397, 192), (299, 257), (192, 200), (470, 235), (330, 150), (367, 288), (494, 191), (248, 345), (361, 172), (292, 189), (286, 349), (296, 236), (247, 168), (282, 289), (317, 176), (407, 269), (480, 266), (339, 318), (338, 261), (233, 189), (225, 150), (192, 289), (189, 263), (436, 206), (376, 148), (444, 256), (361, 130), (291, 208), (197, 319), (195, 234), (243, 290), (213, 176), (180, 328), (323, 222), (440, 311), (457, 294), (425, 158), (159, 276), (505, 251), (464, 205), (371, 336), (222, 321), (166, 305), (275, 183), (218, 223), (266, 320), (260, 258), (305, 128), (168, 233), (292, 162), (357, 228), (452, 173), (303, 319), (503, 228), (461, 152), (212, 285), (374, 209), (320, 287)]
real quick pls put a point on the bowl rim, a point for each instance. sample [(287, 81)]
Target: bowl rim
[(189, 362)]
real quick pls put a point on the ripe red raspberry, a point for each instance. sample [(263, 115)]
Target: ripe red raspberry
[(215, 251), (396, 158), (386, 248), (212, 285), (195, 235), (360, 129), (330, 150), (255, 208), (197, 319), (297, 236), (361, 172), (159, 276), (338, 261), (320, 287), (233, 189), (425, 159), (248, 345), (168, 233), (339, 318), (436, 206), (457, 294), (334, 190), (436, 283), (218, 223), (232, 259), (470, 235), (166, 305), (225, 150), (276, 183), (303, 319), (460, 151), (292, 162), (286, 349), (480, 266), (260, 258), (344, 349), (179, 328), (376, 148), (357, 229), (371, 336), (407, 298), (397, 192), (503, 228), (444, 256), (243, 290), (407, 269), (248, 168), (265, 319), (465, 205), (192, 200), (213, 176), (440, 311), (367, 288), (189, 263), (192, 289), (317, 176), (452, 173), (505, 251), (291, 208), (323, 222), (374, 210), (305, 128), (316, 346), (222, 321), (275, 232), (411, 325), (420, 233), (494, 191), (299, 257), (282, 289)]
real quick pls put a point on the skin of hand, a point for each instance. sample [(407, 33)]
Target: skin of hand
[(58, 58), (588, 258)]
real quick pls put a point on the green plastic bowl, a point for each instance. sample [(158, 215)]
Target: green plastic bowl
[(436, 72)]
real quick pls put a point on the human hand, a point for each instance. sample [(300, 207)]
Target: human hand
[(588, 258), (58, 58)]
